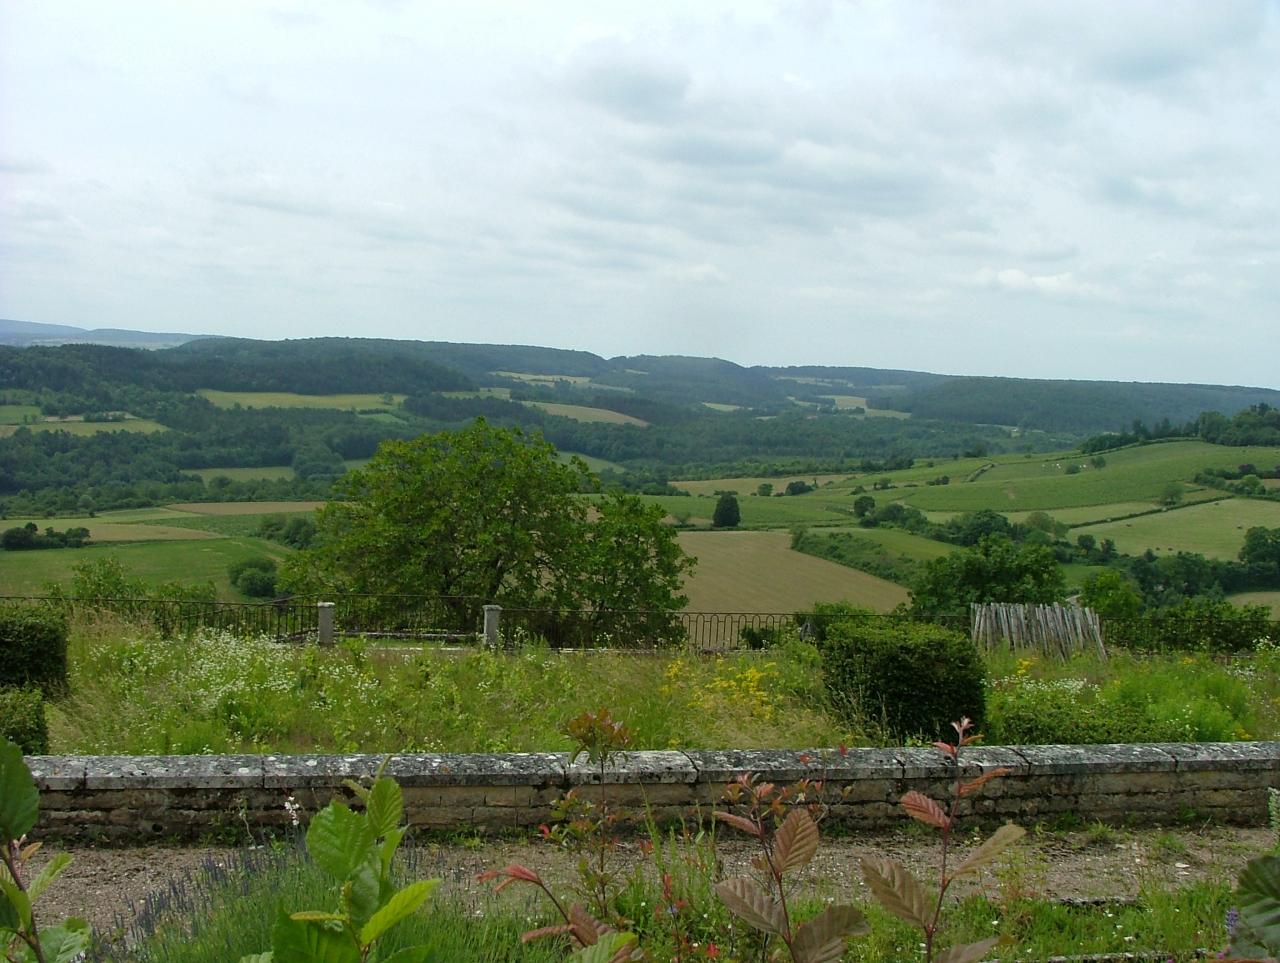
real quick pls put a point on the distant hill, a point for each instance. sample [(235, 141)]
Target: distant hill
[(25, 333), (660, 389)]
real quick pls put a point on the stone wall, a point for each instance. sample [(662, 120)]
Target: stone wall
[(132, 798)]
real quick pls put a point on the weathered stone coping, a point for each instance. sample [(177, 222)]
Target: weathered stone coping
[(183, 796)]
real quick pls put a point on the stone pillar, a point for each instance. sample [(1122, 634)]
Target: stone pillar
[(492, 623), (324, 622)]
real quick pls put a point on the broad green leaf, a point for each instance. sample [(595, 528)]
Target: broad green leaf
[(9, 919), (297, 941), (18, 901), (745, 900), (51, 871), (897, 890), (821, 939), (795, 842), (362, 893), (388, 850), (62, 944), (401, 906), (385, 806), (1259, 896), (968, 953), (339, 840), (608, 949), (19, 800), (996, 843)]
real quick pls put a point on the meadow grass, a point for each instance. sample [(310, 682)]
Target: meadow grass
[(1270, 599), (288, 399), (244, 508), (17, 414), (746, 486), (760, 572), (1215, 529), (131, 692)]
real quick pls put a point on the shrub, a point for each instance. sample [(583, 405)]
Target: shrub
[(22, 720), (254, 577), (33, 647), (913, 677)]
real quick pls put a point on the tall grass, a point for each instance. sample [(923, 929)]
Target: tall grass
[(131, 692)]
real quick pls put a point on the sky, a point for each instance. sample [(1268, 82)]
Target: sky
[(1024, 188)]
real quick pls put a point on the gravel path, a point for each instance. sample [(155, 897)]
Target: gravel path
[(105, 884)]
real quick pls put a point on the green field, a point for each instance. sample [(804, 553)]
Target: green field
[(758, 572), (542, 379), (1131, 475), (17, 414), (265, 473), (845, 402), (583, 413), (816, 508), (84, 428), (189, 562), (903, 543), (1215, 530), (593, 463), (287, 399), (748, 486)]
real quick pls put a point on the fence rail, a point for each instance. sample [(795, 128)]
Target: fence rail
[(462, 619)]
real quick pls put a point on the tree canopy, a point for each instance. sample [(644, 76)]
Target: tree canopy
[(489, 514), (996, 570)]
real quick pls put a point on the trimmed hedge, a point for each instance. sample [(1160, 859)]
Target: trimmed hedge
[(914, 678), (22, 720), (33, 647)]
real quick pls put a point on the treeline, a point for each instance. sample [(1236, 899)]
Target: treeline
[(1257, 425)]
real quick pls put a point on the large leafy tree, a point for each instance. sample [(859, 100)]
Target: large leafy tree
[(487, 514), (996, 570)]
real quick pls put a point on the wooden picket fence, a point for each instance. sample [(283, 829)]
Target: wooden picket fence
[(1052, 630)]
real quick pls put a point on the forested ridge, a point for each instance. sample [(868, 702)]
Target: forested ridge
[(766, 418)]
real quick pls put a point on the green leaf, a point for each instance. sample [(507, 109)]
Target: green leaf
[(62, 944), (257, 958), (362, 893), (968, 953), (9, 919), (997, 843), (17, 901), (610, 945), (298, 941), (795, 842), (51, 871), (745, 900), (384, 806), (19, 800), (821, 939), (1259, 896), (897, 890), (401, 906), (318, 916), (339, 840)]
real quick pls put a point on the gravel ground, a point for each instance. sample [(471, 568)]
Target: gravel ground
[(107, 884)]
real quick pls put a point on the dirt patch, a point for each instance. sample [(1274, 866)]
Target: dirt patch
[(107, 884)]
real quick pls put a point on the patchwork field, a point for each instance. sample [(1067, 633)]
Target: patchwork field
[(542, 379), (846, 402), (244, 508), (758, 572), (583, 413), (287, 399), (817, 508), (1215, 530)]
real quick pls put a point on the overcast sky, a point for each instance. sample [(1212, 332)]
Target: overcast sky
[(1066, 190)]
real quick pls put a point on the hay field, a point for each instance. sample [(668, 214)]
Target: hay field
[(1216, 529), (1271, 599), (758, 572), (17, 414), (542, 379), (583, 413), (138, 525), (287, 399), (845, 402)]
